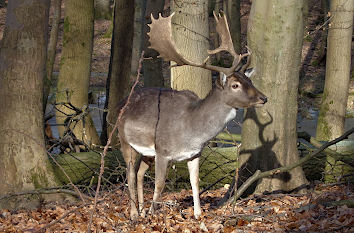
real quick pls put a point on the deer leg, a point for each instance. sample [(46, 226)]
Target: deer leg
[(193, 167), (130, 159), (140, 178), (160, 176)]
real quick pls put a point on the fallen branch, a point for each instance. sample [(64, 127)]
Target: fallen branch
[(337, 156), (259, 175), (348, 202), (45, 191)]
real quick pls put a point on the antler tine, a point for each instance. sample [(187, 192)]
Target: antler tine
[(161, 40), (222, 28), (248, 54)]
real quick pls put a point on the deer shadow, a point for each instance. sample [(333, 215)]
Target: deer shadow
[(262, 157)]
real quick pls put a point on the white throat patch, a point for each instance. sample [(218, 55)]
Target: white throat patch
[(231, 115)]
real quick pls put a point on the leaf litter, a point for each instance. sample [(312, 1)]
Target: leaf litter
[(316, 211)]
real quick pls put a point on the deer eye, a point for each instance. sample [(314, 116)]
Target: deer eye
[(235, 85)]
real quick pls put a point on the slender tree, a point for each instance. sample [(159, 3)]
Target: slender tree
[(152, 67), (137, 35), (52, 46), (118, 84), (330, 124), (269, 139), (23, 160), (191, 31), (232, 9), (103, 9), (74, 76)]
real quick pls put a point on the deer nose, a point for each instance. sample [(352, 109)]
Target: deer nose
[(264, 99)]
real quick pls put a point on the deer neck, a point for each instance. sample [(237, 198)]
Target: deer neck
[(211, 115)]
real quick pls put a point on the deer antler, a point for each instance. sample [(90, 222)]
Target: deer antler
[(161, 40)]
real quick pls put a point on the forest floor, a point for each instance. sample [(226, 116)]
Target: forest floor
[(320, 210), (323, 209)]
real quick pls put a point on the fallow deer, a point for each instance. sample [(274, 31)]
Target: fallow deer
[(174, 125)]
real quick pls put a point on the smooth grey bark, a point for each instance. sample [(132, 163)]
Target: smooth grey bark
[(52, 46), (137, 36), (190, 31), (75, 67), (330, 123), (275, 33), (24, 164)]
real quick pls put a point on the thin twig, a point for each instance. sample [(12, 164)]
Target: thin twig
[(45, 191)]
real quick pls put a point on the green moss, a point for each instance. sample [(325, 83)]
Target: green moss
[(39, 179), (66, 25), (66, 28), (308, 39), (323, 129), (315, 63), (109, 32)]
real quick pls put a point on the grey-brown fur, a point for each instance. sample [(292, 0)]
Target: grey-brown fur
[(175, 125)]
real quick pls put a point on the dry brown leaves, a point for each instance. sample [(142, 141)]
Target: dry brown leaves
[(310, 212)]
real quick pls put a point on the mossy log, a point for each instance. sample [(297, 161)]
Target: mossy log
[(83, 167), (341, 151), (215, 164)]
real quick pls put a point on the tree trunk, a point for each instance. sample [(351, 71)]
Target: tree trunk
[(330, 124), (190, 32), (103, 9), (232, 9), (52, 46), (137, 36), (120, 62), (23, 160), (74, 76), (275, 31), (152, 68)]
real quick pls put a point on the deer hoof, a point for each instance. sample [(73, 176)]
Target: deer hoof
[(197, 214), (143, 213), (134, 215), (152, 209)]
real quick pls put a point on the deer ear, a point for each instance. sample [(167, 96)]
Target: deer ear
[(220, 83), (223, 78), (250, 72)]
